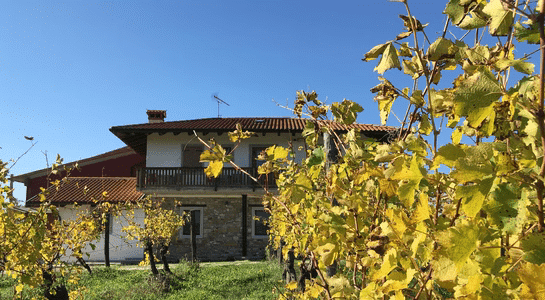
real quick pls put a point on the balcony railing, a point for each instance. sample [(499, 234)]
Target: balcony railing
[(176, 178)]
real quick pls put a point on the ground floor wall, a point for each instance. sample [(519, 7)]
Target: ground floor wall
[(121, 249), (227, 228)]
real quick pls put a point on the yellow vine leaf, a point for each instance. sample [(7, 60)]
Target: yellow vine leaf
[(444, 269), (19, 288), (389, 263), (473, 196), (388, 60), (501, 19), (214, 168), (533, 281), (398, 280), (422, 211), (327, 253)]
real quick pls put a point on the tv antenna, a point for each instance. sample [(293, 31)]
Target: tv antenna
[(217, 99)]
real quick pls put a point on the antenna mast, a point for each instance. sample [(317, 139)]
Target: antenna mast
[(220, 101)]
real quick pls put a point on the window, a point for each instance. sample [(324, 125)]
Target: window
[(259, 218), (185, 230)]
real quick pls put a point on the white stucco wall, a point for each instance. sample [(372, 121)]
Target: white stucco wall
[(120, 248), (166, 150)]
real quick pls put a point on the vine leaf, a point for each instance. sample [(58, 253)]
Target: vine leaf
[(534, 248), (475, 96), (507, 209), (389, 263), (444, 269), (346, 111), (425, 126), (533, 281), (459, 242), (410, 175), (518, 64), (455, 11), (422, 211), (472, 21), (473, 196), (398, 281), (501, 19), (389, 60), (441, 48), (375, 52), (448, 154), (530, 35)]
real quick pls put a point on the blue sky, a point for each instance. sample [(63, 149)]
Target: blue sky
[(71, 70)]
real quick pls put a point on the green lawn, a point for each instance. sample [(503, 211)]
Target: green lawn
[(233, 280)]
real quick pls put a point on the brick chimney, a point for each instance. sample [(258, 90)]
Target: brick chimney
[(156, 116)]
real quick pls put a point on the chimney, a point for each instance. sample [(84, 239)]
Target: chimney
[(156, 116)]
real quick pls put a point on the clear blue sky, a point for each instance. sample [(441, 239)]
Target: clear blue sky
[(70, 70)]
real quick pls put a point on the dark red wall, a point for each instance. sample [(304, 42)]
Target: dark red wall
[(117, 167)]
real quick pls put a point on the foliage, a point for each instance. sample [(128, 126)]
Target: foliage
[(411, 218), (34, 240), (160, 224)]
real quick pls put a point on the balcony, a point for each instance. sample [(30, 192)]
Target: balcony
[(179, 178)]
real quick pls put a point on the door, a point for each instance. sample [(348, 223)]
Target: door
[(192, 156), (192, 173)]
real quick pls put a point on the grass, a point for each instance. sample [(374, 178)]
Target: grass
[(234, 280)]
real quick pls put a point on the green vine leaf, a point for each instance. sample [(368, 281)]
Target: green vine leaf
[(455, 11), (528, 34), (474, 96), (507, 208), (459, 242), (534, 248)]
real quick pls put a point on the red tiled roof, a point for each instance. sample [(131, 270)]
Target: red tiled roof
[(136, 135), (252, 124), (119, 189)]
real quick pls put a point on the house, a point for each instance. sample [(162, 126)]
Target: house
[(226, 206), (114, 172)]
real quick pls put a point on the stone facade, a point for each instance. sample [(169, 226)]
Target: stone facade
[(222, 229)]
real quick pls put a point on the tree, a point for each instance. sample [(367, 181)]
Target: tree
[(33, 241), (159, 227), (417, 219)]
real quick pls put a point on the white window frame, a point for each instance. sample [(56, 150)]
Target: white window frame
[(254, 209), (201, 225)]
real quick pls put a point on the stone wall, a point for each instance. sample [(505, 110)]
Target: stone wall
[(222, 230)]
